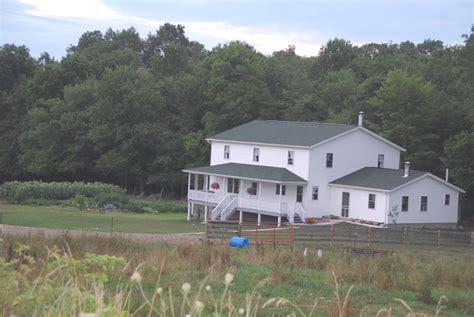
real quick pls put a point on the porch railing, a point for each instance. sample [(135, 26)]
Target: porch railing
[(300, 211), (222, 205)]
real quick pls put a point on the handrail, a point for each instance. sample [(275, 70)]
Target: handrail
[(229, 208), (300, 211), (222, 205), (289, 213)]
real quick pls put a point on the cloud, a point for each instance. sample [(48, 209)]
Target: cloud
[(264, 39)]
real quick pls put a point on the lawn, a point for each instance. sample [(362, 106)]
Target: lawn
[(60, 218)]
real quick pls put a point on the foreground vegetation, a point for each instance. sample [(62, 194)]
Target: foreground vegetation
[(57, 217), (113, 277)]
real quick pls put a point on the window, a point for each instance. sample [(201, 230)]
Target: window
[(404, 203), (233, 185), (283, 189), (226, 151), (329, 158), (252, 190), (299, 194), (315, 192), (447, 199), (371, 201), (380, 160), (192, 182), (200, 182), (424, 203), (291, 157), (256, 154)]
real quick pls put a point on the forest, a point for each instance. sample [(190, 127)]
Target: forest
[(135, 111)]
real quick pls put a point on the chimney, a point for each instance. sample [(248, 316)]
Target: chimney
[(361, 118), (447, 175), (407, 169)]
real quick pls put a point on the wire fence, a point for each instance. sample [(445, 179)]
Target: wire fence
[(345, 233)]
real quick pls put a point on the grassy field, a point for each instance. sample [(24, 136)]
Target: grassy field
[(152, 279), (60, 218)]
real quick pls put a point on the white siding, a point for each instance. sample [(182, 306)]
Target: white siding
[(269, 156), (351, 153), (437, 211), (359, 203)]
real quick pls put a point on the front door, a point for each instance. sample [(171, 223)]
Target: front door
[(345, 204), (299, 194)]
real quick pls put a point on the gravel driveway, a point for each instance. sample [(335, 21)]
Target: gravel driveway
[(174, 238)]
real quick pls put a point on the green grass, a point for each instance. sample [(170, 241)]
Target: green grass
[(59, 218), (285, 273)]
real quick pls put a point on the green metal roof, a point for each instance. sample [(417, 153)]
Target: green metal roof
[(378, 178), (266, 173), (283, 132)]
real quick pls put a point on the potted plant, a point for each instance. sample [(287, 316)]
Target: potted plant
[(215, 185)]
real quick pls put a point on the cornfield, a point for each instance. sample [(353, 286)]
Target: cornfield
[(17, 192)]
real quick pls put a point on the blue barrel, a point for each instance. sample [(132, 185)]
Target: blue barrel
[(239, 242)]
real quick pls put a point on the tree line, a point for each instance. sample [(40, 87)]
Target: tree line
[(135, 111)]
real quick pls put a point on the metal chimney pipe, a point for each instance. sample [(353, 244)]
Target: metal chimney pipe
[(447, 175), (407, 169), (361, 118)]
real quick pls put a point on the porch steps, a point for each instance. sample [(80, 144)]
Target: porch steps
[(297, 219)]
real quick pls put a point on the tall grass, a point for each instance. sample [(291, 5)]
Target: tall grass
[(116, 277)]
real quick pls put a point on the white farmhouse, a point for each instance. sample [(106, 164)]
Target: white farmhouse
[(295, 170)]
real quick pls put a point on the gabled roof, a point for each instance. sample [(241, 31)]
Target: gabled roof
[(291, 133), (283, 132), (257, 172), (384, 179)]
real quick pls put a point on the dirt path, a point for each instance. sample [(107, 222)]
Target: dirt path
[(174, 238)]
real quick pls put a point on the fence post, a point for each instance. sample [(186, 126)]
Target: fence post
[(331, 234), (404, 236), (239, 229), (472, 239), (439, 238), (206, 232), (112, 226), (274, 236), (369, 236), (1, 222)]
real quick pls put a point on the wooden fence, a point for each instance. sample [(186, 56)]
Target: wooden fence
[(357, 235)]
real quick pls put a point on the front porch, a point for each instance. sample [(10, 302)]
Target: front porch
[(222, 196)]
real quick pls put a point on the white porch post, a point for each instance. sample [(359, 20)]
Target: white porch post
[(206, 208), (241, 216), (279, 221), (259, 219), (189, 211), (241, 189), (279, 217), (259, 194)]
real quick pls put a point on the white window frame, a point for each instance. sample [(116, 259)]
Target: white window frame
[(380, 160), (408, 203), (425, 205), (291, 157), (315, 193), (372, 201), (226, 152), (331, 161), (447, 199), (283, 189), (256, 154)]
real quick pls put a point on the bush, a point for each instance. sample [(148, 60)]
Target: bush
[(19, 192), (119, 200)]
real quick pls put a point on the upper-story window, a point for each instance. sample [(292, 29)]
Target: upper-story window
[(291, 157), (256, 154), (447, 199), (329, 159), (371, 201), (424, 203), (404, 203), (380, 160), (315, 192), (226, 151)]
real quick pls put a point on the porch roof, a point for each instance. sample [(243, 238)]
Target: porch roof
[(256, 172)]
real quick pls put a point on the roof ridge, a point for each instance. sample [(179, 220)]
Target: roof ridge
[(304, 122)]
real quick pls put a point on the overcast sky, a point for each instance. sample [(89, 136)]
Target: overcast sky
[(53, 25)]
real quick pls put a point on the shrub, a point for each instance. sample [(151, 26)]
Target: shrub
[(119, 200), (19, 192)]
